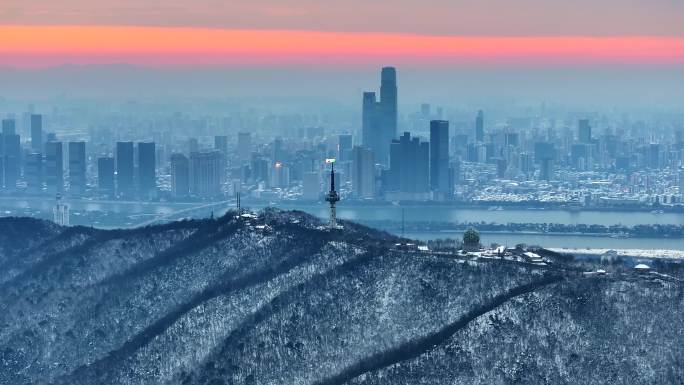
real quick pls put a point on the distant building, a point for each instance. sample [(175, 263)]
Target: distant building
[(206, 174), (584, 131), (388, 106), (147, 174), (37, 133), (344, 147), (379, 119), (546, 169), (439, 158), (681, 183), (77, 168), (479, 127), (279, 176), (106, 184), (125, 169), (11, 150), (244, 147), (221, 144), (54, 168), (180, 176), (193, 145), (8, 127), (654, 156), (60, 212), (409, 171), (363, 173), (33, 173)]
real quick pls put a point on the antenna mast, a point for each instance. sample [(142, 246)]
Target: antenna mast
[(332, 197)]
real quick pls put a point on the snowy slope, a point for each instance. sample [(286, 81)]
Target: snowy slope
[(278, 299)]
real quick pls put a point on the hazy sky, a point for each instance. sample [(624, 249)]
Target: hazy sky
[(626, 51), (444, 17)]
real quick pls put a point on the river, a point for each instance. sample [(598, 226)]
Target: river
[(134, 213)]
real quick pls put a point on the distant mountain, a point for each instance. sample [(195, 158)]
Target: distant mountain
[(279, 299)]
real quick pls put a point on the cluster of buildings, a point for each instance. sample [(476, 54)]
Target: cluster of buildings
[(427, 155)]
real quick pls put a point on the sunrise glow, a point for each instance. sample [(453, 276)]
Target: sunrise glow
[(41, 46)]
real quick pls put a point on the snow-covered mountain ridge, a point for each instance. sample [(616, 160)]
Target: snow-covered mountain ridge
[(277, 298)]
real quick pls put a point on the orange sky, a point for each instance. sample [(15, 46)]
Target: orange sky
[(41, 46)]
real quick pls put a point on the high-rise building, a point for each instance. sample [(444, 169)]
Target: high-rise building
[(106, 167), (279, 176), (409, 165), (244, 147), (147, 176), (439, 157), (77, 168), (278, 154), (344, 147), (206, 174), (363, 173), (379, 119), (370, 124), (221, 144), (180, 176), (388, 103), (37, 133), (33, 173), (54, 168), (681, 182), (125, 169), (11, 144), (546, 169), (193, 145), (654, 156), (8, 127), (479, 127), (584, 131)]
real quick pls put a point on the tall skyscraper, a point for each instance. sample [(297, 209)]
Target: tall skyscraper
[(370, 123), (147, 176), (54, 168), (344, 147), (206, 174), (363, 173), (125, 169), (409, 165), (379, 119), (77, 168), (8, 127), (584, 131), (479, 127), (11, 143), (388, 103), (33, 173), (244, 147), (37, 132), (10, 151), (546, 169), (439, 157), (180, 176), (105, 176), (681, 182)]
